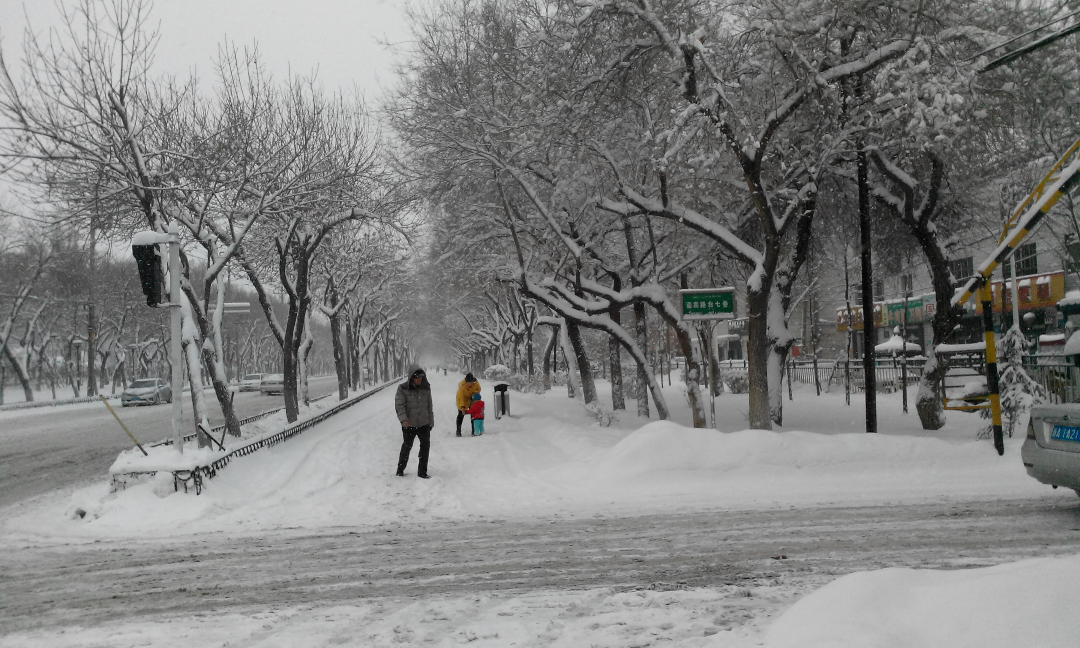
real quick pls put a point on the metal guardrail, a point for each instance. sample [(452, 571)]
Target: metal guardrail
[(68, 401), (54, 403), (252, 418), (195, 477)]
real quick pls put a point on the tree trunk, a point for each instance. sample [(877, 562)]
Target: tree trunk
[(618, 399), (303, 369), (20, 373), (529, 350), (869, 335), (758, 350), (549, 350), (643, 379), (588, 387), (693, 374), (91, 342), (294, 336), (340, 364), (193, 363)]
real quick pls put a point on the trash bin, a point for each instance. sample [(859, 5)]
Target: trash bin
[(502, 400)]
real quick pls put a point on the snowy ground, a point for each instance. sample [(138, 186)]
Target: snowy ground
[(550, 459)]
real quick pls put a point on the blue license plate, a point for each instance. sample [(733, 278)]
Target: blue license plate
[(1065, 433)]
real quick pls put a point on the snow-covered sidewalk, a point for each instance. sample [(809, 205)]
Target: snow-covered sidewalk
[(551, 457)]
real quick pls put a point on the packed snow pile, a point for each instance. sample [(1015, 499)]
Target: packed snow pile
[(1026, 603), (549, 457), (163, 458)]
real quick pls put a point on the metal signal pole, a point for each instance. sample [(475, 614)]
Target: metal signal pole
[(176, 348)]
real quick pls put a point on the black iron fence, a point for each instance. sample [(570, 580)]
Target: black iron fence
[(194, 478), (1061, 380), (890, 373)]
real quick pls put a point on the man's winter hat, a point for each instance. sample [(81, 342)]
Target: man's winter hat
[(476, 396), (470, 378), (417, 372)]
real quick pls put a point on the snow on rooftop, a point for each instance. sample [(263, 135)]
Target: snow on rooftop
[(1072, 347), (961, 348), (896, 344), (1072, 297)]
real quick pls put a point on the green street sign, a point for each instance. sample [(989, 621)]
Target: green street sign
[(707, 303)]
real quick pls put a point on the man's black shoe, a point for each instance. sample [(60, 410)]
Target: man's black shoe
[(401, 473), (424, 476)]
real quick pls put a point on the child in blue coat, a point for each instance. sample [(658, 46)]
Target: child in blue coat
[(476, 411)]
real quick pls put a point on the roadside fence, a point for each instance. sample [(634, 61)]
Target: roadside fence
[(194, 478)]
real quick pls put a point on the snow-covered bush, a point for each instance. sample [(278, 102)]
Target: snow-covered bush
[(523, 383), (603, 415), (498, 372), (737, 381)]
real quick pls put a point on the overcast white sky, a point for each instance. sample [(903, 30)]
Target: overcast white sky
[(339, 38)]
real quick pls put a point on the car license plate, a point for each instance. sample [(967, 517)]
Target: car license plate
[(1065, 433)]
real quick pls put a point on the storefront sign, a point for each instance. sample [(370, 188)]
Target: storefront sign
[(1035, 291), (889, 313)]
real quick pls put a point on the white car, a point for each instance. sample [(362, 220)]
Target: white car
[(1051, 451), (251, 382), (272, 384)]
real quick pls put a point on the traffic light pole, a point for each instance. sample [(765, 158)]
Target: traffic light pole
[(176, 349)]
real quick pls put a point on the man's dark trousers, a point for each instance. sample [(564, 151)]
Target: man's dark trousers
[(408, 434), (460, 418)]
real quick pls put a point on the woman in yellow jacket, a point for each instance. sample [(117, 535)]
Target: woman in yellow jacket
[(466, 388)]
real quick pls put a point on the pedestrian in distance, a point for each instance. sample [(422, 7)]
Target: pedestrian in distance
[(466, 388), (414, 409), (476, 412)]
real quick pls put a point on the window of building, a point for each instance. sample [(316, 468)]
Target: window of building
[(962, 268), (907, 285), (1025, 260), (879, 290)]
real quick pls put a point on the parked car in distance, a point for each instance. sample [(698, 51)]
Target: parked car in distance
[(148, 391), (251, 382), (272, 384), (1051, 451)]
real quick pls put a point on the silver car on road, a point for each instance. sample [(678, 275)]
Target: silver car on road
[(1051, 452), (148, 391), (272, 384), (251, 382)]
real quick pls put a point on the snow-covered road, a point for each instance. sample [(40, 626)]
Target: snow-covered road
[(553, 531), (47, 448), (766, 558)]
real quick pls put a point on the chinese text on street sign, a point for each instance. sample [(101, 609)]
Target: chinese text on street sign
[(707, 303)]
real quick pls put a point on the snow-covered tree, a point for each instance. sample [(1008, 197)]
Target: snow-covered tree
[(1018, 390)]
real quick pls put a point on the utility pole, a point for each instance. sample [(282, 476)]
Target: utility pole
[(175, 332), (145, 246)]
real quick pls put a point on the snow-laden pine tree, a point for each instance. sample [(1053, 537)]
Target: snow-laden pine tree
[(1019, 391)]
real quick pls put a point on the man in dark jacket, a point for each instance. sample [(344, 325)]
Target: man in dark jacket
[(414, 410)]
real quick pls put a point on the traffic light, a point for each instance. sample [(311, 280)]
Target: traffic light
[(150, 276)]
